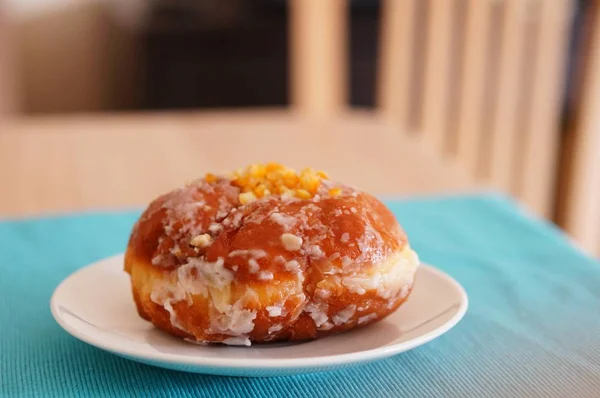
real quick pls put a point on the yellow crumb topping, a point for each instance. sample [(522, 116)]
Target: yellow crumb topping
[(335, 192), (260, 180), (210, 177)]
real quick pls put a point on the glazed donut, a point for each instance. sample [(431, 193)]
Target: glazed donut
[(267, 254)]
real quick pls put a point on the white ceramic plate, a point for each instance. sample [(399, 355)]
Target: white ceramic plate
[(95, 305)]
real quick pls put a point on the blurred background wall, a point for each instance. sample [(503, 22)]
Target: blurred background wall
[(103, 55), (75, 56)]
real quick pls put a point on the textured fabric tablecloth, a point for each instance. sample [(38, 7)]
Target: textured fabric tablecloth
[(532, 329)]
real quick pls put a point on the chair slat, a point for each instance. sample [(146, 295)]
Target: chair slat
[(436, 84), (318, 48), (536, 177), (504, 124), (582, 201), (396, 59), (469, 127)]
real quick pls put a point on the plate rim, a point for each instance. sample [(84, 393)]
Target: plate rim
[(262, 363)]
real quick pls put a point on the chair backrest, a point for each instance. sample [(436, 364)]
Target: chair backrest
[(482, 81)]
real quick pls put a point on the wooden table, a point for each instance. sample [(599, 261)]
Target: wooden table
[(60, 164)]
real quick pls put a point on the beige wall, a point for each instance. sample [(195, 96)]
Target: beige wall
[(72, 56), (8, 87)]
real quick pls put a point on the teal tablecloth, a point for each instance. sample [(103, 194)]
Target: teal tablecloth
[(532, 329)]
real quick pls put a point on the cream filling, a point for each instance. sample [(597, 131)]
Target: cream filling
[(212, 281), (228, 314), (389, 278)]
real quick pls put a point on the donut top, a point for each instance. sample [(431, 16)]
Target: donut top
[(268, 221)]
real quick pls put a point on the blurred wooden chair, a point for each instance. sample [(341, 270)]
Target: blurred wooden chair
[(480, 81), (490, 90)]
